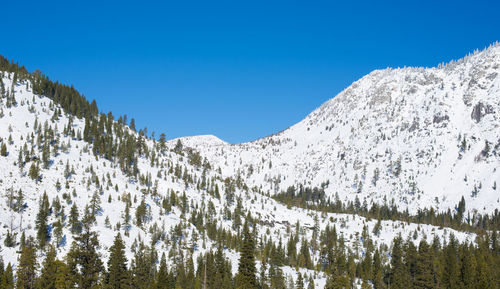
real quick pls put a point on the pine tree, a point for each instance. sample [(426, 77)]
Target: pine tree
[(74, 222), (451, 267), (143, 266), (118, 274), (305, 256), (378, 275), (53, 273), (483, 273), (9, 240), (42, 221), (162, 141), (34, 172), (190, 280), (162, 275), (178, 147), (3, 150), (377, 228), (19, 206), (20, 160), (424, 277), (95, 203), (276, 277), (263, 280), (140, 213), (83, 259), (410, 259), (300, 282), (246, 268), (63, 276), (7, 281), (468, 269), (338, 281), (26, 269), (132, 124), (399, 272), (2, 269)]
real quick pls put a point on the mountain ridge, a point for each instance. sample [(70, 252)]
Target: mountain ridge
[(460, 93), (61, 159)]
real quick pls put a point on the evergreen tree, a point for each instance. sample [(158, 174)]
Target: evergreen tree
[(3, 150), (276, 277), (338, 281), (54, 273), (410, 259), (10, 240), (483, 272), (34, 172), (300, 282), (140, 213), (26, 269), (63, 276), (468, 269), (7, 281), (143, 266), (451, 266), (424, 277), (263, 280), (2, 269), (162, 141), (118, 274), (162, 281), (399, 272), (305, 256), (74, 222), (246, 268), (19, 206), (132, 124), (83, 259), (42, 221), (378, 275)]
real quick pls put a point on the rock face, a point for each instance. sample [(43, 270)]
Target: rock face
[(480, 110), (429, 123)]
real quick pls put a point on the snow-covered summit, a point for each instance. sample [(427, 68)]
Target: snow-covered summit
[(200, 140)]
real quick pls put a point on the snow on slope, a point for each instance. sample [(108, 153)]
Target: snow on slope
[(359, 123), (404, 125)]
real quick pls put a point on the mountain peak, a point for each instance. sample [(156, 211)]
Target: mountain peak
[(413, 119), (200, 140)]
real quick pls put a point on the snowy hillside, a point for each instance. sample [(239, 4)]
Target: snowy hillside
[(424, 137), (423, 130)]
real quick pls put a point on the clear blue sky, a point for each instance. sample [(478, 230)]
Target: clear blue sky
[(236, 69)]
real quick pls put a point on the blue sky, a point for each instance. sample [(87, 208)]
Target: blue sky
[(236, 69)]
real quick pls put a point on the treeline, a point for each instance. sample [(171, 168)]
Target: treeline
[(83, 266), (112, 139), (315, 199), (434, 264), (66, 96), (428, 265)]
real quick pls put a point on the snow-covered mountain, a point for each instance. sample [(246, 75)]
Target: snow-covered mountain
[(431, 136), (424, 137)]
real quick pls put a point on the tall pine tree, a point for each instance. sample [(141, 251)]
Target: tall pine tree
[(118, 273), (246, 267), (83, 259)]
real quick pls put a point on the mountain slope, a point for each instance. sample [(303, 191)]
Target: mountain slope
[(178, 201), (415, 135)]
